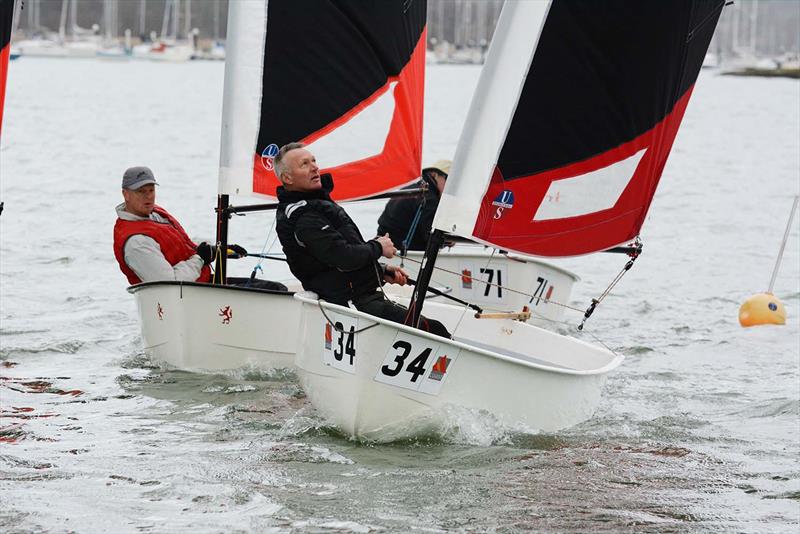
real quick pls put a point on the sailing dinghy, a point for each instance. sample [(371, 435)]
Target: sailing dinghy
[(326, 90), (569, 130), (354, 94)]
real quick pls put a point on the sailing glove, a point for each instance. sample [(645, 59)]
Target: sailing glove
[(236, 251), (206, 252)]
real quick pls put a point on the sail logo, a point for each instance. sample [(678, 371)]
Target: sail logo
[(328, 336), (268, 156), (440, 368), (503, 201), (466, 279), (160, 311), (227, 314)]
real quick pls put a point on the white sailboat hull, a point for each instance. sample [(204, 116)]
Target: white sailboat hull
[(205, 327), (521, 375), (467, 272), (191, 334)]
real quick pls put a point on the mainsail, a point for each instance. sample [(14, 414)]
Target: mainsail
[(6, 20), (569, 132), (317, 71)]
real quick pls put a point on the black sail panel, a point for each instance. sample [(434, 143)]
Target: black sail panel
[(323, 57), (603, 74)]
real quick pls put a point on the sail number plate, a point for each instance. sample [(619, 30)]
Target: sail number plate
[(417, 363), (339, 350), (483, 283)]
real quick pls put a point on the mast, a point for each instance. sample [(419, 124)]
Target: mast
[(165, 20), (187, 22), (221, 263), (175, 14), (37, 15), (216, 21), (62, 26), (73, 17), (142, 12), (423, 280), (753, 26)]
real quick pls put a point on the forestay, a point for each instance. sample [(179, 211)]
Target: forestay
[(562, 152), (329, 77)]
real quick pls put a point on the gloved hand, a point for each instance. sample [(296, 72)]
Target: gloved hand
[(206, 252), (236, 251)]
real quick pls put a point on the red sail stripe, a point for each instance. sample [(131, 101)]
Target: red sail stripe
[(401, 159), (4, 55), (6, 19), (587, 233)]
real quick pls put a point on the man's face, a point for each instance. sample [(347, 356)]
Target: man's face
[(440, 180), (302, 173), (141, 201)]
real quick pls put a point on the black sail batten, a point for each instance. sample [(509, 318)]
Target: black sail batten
[(313, 77)]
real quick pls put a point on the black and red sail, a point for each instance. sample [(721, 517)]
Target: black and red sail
[(598, 110), (325, 68), (6, 20)]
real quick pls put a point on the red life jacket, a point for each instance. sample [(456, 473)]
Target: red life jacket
[(171, 237)]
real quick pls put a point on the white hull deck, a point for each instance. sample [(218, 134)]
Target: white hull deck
[(192, 333), (381, 381), (206, 327), (468, 272)]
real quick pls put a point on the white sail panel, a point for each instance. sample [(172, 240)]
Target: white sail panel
[(588, 193), (241, 102), (362, 136), (492, 107)]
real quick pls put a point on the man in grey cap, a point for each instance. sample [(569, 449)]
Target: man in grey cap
[(149, 243)]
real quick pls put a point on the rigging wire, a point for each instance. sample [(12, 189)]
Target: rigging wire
[(633, 255), (636, 251), (264, 249), (464, 310), (506, 288), (339, 329)]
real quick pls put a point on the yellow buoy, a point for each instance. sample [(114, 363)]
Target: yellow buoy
[(766, 308), (762, 308)]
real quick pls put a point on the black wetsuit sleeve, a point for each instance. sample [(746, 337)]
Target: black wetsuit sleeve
[(326, 244)]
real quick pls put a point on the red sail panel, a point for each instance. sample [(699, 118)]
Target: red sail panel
[(357, 54), (6, 19), (500, 222), (599, 110)]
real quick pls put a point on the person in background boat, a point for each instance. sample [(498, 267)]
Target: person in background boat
[(149, 243), (324, 247), (399, 215)]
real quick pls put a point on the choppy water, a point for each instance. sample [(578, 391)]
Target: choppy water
[(698, 431)]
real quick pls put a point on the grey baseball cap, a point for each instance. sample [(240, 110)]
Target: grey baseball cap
[(136, 177)]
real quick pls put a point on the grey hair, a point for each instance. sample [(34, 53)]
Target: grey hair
[(277, 163)]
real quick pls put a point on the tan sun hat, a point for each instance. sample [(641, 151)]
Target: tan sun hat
[(443, 166)]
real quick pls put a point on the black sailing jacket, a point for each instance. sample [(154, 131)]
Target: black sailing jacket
[(324, 248), (399, 213)]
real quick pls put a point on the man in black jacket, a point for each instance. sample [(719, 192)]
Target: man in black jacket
[(399, 214), (324, 247)]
